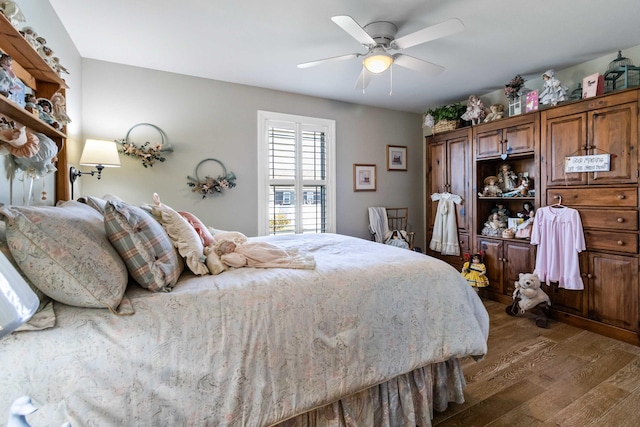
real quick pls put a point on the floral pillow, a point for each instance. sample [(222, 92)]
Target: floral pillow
[(143, 245), (183, 235), (64, 251)]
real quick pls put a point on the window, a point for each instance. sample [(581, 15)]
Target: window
[(296, 174)]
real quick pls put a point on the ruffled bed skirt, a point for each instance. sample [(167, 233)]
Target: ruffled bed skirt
[(407, 400)]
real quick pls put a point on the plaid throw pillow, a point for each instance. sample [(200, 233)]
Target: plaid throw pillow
[(143, 245)]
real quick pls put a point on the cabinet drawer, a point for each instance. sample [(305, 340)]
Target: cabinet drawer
[(611, 241), (604, 197), (464, 244), (615, 219)]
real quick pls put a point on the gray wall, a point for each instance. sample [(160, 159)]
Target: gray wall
[(212, 119)]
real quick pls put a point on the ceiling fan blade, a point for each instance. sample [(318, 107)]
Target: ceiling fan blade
[(333, 59), (437, 31), (348, 24), (417, 64), (363, 79)]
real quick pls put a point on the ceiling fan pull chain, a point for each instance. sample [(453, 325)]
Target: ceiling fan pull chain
[(391, 80), (364, 78)]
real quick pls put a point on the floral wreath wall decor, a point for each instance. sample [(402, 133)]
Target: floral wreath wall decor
[(149, 152), (210, 185)]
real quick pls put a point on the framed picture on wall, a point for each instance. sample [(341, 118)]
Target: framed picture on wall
[(364, 177), (396, 158)]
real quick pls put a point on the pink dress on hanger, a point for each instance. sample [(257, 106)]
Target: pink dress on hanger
[(558, 233)]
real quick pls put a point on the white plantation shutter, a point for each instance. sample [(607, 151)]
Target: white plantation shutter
[(297, 172)]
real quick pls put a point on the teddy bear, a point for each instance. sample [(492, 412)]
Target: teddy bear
[(528, 296), (497, 111)]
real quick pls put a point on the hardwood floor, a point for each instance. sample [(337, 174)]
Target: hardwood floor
[(560, 376)]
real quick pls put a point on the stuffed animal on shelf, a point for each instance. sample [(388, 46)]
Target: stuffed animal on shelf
[(528, 296), (496, 113)]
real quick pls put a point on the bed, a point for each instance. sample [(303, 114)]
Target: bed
[(372, 336)]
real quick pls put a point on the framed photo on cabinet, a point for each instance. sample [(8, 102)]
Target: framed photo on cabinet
[(364, 177), (396, 158)]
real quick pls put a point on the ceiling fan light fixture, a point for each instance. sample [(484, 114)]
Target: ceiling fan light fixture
[(378, 63)]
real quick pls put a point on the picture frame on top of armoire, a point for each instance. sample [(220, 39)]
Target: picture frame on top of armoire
[(592, 85)]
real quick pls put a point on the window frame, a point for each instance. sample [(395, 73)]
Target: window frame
[(328, 126)]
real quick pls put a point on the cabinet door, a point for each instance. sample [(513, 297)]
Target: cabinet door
[(518, 258), (519, 139), (571, 301), (492, 252), (614, 131), (489, 143), (565, 136), (437, 176), (613, 290), (459, 176)]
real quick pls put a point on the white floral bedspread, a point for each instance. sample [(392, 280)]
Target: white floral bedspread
[(248, 347)]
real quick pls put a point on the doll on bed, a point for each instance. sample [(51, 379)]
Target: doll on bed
[(235, 251)]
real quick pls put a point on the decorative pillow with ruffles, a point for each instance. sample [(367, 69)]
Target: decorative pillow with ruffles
[(182, 234)]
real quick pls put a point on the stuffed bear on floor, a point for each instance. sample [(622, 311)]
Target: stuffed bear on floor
[(528, 296)]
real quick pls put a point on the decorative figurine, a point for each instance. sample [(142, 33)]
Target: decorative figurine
[(506, 178), (475, 110), (12, 11), (10, 84), (475, 272), (494, 226), (522, 190), (496, 113), (46, 112), (527, 211), (501, 210), (554, 91), (60, 109), (491, 188)]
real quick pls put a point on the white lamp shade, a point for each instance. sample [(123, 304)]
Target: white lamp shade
[(98, 152), (17, 301), (378, 63)]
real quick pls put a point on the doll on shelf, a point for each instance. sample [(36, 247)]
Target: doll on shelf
[(491, 188), (507, 178), (495, 225), (474, 271), (522, 190), (501, 210), (523, 231), (527, 211)]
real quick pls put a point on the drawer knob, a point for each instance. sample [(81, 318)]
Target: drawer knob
[(621, 196), (620, 220), (620, 243)]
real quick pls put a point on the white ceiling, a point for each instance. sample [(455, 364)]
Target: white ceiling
[(260, 42)]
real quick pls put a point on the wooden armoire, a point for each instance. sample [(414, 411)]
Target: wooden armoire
[(538, 144)]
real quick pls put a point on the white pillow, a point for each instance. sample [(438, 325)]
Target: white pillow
[(182, 234)]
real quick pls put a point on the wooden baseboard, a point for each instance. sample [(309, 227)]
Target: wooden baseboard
[(574, 320)]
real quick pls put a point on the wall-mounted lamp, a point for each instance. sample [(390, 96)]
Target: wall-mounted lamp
[(378, 61), (101, 154), (17, 301)]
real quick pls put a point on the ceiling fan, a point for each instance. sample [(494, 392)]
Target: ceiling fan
[(379, 40)]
